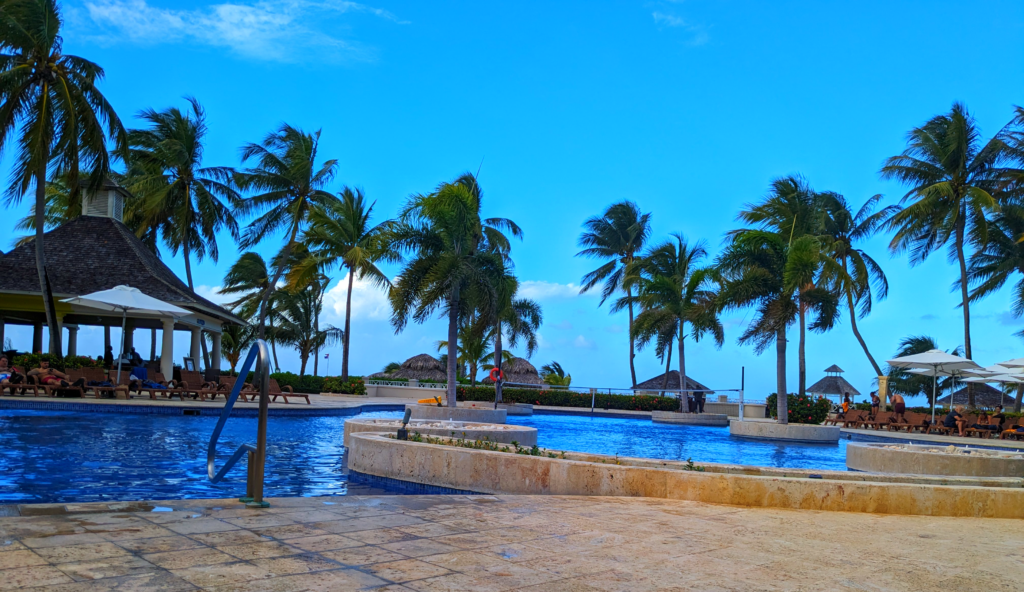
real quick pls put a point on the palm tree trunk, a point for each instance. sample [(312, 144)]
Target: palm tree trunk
[(453, 344), (682, 363), (1020, 395), (316, 350), (44, 284), (632, 342), (152, 345), (965, 300), (668, 366), (472, 374), (856, 331), (782, 405), (497, 363), (302, 368), (802, 371), (348, 327), (188, 266)]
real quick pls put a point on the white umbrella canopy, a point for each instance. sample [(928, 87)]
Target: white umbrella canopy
[(124, 299), (1017, 364), (936, 361)]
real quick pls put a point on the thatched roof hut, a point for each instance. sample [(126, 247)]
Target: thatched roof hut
[(658, 383), (518, 371), (833, 384), (421, 367), (985, 397)]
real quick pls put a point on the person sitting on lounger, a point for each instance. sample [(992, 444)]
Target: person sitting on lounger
[(990, 421), (51, 376), (9, 375), (955, 419)]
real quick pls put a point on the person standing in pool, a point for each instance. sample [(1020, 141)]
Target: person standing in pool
[(898, 407)]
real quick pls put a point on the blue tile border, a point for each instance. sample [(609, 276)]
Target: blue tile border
[(38, 405), (405, 487)]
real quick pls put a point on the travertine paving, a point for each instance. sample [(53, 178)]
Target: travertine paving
[(495, 543)]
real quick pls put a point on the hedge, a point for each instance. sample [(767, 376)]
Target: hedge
[(563, 398), (802, 409), (27, 362), (318, 384)]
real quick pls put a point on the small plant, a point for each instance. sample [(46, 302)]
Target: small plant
[(689, 466)]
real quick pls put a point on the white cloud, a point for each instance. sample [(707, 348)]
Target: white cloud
[(584, 343), (368, 302), (698, 34), (285, 31), (541, 290), (212, 293)]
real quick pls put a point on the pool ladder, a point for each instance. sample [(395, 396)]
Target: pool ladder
[(260, 354)]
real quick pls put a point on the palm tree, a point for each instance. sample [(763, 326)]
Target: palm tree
[(51, 109), (617, 236), (1000, 259), (473, 346), (235, 341), (954, 180), (457, 258), (554, 375), (516, 319), (760, 269), (673, 291), (340, 233), (248, 277), (288, 184), (180, 196), (299, 327), (794, 213), (841, 228)]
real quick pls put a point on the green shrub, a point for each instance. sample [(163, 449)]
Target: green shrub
[(562, 398), (29, 361), (802, 409), (354, 386)]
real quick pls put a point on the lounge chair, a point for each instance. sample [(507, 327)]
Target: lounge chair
[(168, 391), (840, 417), (274, 391), (224, 387), (855, 418), (1009, 431), (883, 418), (193, 383)]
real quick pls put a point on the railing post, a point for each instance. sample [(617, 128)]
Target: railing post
[(260, 456), (593, 397), (743, 377)]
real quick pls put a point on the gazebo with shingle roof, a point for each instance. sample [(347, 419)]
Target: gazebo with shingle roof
[(833, 384), (658, 383), (94, 252)]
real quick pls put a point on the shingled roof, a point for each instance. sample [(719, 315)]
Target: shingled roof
[(833, 385), (92, 253), (985, 396)]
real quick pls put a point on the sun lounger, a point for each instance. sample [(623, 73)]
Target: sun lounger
[(855, 418), (275, 392), (168, 392), (193, 383), (883, 418)]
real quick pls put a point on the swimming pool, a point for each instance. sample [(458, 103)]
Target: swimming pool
[(63, 456)]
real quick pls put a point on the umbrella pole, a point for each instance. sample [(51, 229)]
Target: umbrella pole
[(124, 323), (934, 371)]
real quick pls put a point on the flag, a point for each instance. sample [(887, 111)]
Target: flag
[(326, 356)]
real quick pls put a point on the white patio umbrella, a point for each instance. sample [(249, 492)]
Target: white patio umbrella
[(1017, 364), (124, 299), (937, 361)]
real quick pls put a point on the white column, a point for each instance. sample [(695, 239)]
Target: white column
[(194, 351), (215, 354), (73, 340), (167, 350)]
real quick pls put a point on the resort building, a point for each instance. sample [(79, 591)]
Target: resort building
[(95, 252)]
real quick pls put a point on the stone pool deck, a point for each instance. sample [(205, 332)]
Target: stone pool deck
[(495, 543)]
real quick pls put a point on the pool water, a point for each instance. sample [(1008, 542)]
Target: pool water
[(54, 456)]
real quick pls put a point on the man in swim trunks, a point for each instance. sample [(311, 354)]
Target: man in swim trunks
[(898, 407), (51, 376)]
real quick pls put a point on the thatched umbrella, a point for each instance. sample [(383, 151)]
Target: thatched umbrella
[(421, 367), (518, 371)]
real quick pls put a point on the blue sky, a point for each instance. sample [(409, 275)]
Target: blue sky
[(689, 108)]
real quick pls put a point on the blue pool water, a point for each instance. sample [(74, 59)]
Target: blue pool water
[(48, 456)]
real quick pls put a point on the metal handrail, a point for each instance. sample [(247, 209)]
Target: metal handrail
[(260, 353)]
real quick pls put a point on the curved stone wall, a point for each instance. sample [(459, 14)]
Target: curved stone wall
[(794, 432), (502, 433), (505, 473), (476, 415), (917, 459)]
